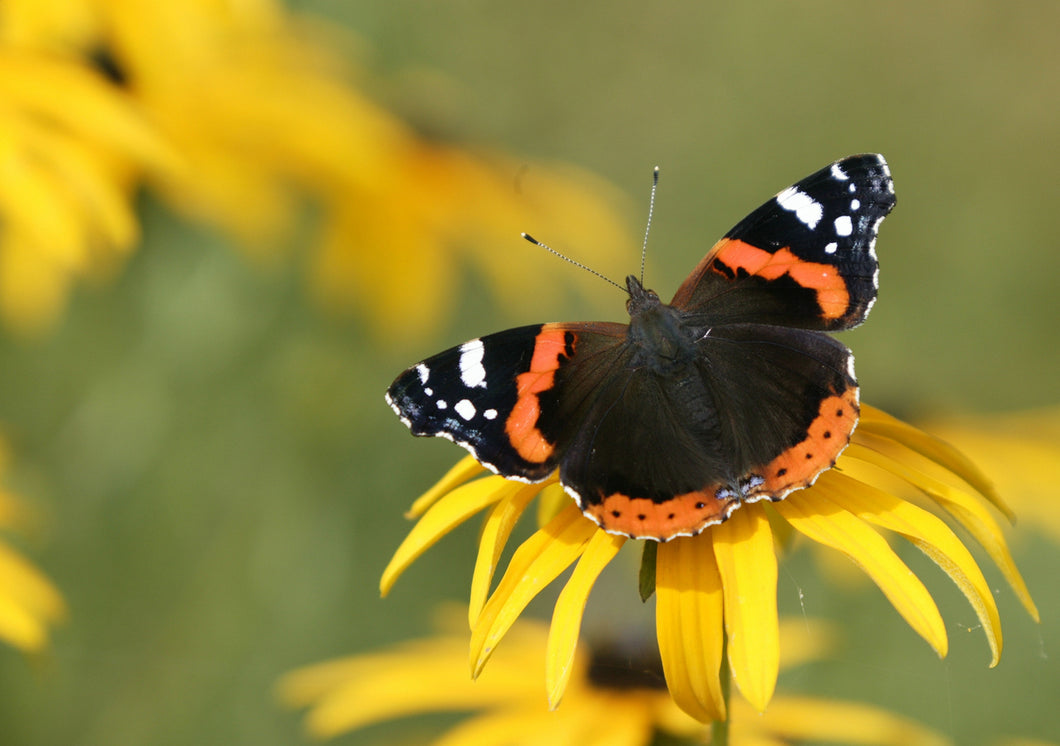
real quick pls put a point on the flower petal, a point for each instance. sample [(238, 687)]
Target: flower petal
[(688, 620), (495, 532), (743, 548), (553, 499), (825, 522), (804, 719), (930, 534), (570, 606), (535, 564), (971, 514), (458, 506), (465, 469), (28, 602), (421, 676), (880, 423)]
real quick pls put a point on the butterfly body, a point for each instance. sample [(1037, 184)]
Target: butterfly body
[(731, 393)]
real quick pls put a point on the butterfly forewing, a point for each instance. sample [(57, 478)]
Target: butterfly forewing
[(805, 258)]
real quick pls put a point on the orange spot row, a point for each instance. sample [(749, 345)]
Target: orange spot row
[(639, 517), (828, 435)]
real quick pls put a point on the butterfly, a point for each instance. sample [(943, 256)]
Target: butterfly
[(731, 393)]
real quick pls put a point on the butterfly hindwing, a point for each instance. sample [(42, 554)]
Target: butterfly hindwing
[(805, 258), (759, 412)]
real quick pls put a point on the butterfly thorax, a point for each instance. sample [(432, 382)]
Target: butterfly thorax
[(665, 342)]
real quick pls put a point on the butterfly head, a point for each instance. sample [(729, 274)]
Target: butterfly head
[(640, 300)]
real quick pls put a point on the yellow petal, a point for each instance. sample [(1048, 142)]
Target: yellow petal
[(41, 212), (688, 620), (465, 469), (570, 606), (495, 532), (743, 548), (880, 423), (962, 506), (88, 105), (458, 506), (803, 639), (930, 534), (423, 676), (28, 602), (553, 499), (804, 719), (32, 292), (827, 523), (535, 564)]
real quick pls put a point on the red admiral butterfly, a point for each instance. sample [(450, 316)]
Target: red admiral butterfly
[(732, 393)]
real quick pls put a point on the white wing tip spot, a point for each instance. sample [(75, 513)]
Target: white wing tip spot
[(465, 409), (472, 372), (838, 172), (806, 208)]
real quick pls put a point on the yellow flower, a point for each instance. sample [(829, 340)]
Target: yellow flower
[(29, 603), (246, 117), (264, 111), (716, 592), (69, 144), (614, 697)]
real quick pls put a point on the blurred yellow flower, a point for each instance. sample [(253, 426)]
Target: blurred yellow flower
[(245, 117), (615, 697), (69, 143), (1020, 452), (29, 603), (722, 583)]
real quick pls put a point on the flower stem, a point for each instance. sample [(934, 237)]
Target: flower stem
[(719, 729)]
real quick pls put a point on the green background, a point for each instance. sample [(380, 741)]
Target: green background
[(225, 482)]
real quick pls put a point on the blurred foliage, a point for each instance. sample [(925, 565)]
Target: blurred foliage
[(225, 482)]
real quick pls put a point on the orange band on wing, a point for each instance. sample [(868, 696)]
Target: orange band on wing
[(824, 279), (640, 518), (825, 439), (521, 426)]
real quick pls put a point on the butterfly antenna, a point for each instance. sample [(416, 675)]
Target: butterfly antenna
[(566, 258), (651, 211)]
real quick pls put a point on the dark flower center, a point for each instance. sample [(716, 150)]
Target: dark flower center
[(624, 667)]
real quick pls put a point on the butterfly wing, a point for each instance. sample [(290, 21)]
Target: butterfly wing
[(760, 412), (805, 258), (510, 398)]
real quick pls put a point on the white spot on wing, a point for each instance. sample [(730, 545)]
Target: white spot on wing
[(465, 409), (490, 414), (843, 226), (472, 372), (852, 188), (424, 372), (428, 391), (442, 404), (838, 173), (830, 248), (855, 204), (806, 209)]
